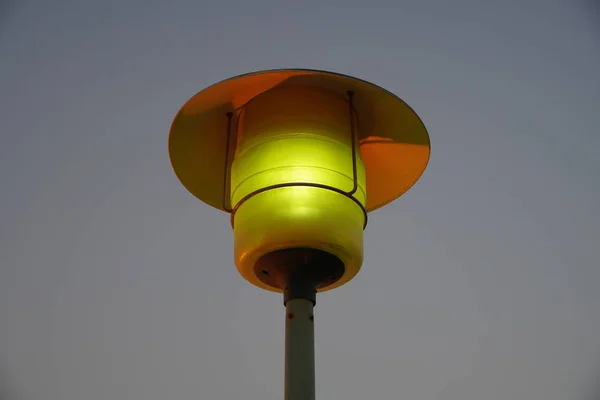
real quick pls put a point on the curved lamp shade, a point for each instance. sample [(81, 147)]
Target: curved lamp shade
[(298, 157)]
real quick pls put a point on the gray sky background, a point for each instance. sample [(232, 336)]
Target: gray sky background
[(481, 283)]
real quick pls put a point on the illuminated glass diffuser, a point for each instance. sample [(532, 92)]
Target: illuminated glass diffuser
[(298, 157), (297, 135)]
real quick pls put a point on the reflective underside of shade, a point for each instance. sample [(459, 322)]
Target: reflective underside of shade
[(394, 144)]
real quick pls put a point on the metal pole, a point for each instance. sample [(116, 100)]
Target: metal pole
[(299, 350), (299, 272)]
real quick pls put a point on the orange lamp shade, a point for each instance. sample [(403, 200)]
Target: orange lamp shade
[(297, 161)]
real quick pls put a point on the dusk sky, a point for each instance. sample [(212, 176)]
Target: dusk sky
[(480, 283)]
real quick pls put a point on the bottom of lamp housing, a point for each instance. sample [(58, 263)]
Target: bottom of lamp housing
[(317, 267)]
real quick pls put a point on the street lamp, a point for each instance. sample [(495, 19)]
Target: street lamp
[(297, 157)]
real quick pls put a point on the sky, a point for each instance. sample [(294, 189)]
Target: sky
[(480, 283)]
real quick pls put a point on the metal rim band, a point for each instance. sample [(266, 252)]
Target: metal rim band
[(298, 184)]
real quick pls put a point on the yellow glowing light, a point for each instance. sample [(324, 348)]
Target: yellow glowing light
[(296, 135)]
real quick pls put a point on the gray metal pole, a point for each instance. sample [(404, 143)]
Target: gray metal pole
[(299, 272), (299, 350)]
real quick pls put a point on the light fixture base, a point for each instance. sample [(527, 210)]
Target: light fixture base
[(299, 272)]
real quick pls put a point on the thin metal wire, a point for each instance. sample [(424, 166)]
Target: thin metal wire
[(353, 138), (227, 169)]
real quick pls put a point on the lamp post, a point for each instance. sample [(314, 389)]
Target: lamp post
[(297, 157)]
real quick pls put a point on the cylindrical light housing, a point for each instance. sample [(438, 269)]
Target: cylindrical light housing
[(295, 182)]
